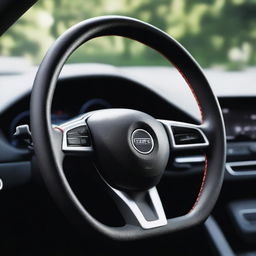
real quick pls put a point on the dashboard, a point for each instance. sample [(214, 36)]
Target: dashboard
[(240, 122), (159, 92), (79, 93)]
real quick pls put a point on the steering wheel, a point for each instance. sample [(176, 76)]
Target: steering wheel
[(130, 149)]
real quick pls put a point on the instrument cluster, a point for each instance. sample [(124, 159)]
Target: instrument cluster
[(59, 115)]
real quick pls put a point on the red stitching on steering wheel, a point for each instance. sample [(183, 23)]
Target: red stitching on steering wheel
[(202, 184), (202, 119), (193, 92)]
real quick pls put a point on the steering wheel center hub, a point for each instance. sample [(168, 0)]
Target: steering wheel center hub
[(132, 148)]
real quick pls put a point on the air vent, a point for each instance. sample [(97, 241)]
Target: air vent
[(241, 168)]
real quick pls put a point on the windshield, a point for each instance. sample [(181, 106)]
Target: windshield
[(217, 33)]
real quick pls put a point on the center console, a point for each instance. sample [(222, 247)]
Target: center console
[(235, 212)]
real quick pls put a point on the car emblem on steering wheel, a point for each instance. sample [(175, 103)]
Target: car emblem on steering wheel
[(142, 141)]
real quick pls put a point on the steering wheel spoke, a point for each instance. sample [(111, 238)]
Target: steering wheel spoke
[(142, 208), (76, 139), (185, 136)]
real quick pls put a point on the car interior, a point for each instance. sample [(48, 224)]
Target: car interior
[(127, 127)]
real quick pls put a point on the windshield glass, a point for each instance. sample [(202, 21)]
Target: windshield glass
[(218, 33)]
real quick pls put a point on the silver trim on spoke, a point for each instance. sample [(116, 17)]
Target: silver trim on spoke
[(157, 207), (189, 159), (168, 124)]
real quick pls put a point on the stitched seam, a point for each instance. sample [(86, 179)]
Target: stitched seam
[(193, 92), (202, 119), (202, 184)]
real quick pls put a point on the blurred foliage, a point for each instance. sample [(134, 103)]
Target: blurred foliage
[(218, 33)]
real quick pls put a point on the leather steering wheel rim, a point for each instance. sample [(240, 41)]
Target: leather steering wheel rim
[(44, 136)]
